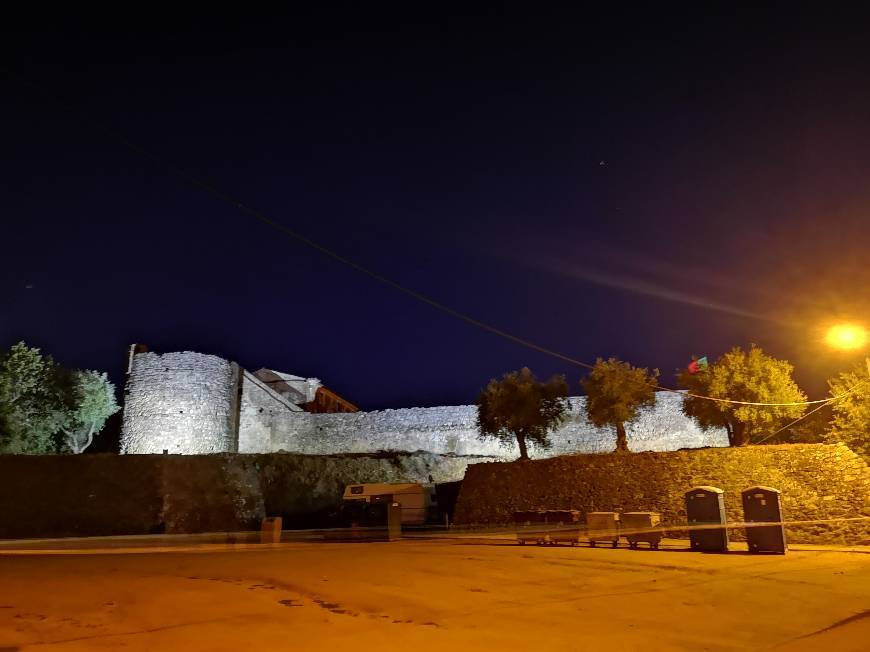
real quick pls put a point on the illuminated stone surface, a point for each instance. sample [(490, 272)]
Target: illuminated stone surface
[(178, 402), (825, 488), (182, 402), (452, 430)]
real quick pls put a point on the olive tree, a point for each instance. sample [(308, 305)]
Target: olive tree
[(748, 376), (520, 407), (91, 402), (615, 393), (31, 405), (850, 422), (47, 409)]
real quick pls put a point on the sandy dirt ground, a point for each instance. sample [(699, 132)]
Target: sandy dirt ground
[(432, 595)]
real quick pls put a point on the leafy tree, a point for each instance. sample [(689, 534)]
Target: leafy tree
[(91, 401), (519, 406), (31, 407), (615, 392), (811, 429), (46, 409), (739, 375), (850, 423)]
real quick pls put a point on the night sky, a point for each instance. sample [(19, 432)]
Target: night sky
[(646, 186)]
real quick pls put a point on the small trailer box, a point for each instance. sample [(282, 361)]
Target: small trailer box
[(642, 526), (602, 526), (416, 500)]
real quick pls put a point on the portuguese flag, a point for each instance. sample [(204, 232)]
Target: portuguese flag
[(698, 364)]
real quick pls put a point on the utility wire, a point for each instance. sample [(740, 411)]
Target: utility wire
[(849, 391), (728, 400), (210, 189), (798, 420)]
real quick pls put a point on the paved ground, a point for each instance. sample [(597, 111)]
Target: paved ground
[(432, 595)]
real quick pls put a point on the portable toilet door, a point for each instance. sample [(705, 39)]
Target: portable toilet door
[(705, 509), (763, 505)]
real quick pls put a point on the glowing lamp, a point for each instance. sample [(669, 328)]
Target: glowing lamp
[(846, 337)]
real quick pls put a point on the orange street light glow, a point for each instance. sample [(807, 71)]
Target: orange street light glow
[(846, 337)]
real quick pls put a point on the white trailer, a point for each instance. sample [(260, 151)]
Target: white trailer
[(418, 501)]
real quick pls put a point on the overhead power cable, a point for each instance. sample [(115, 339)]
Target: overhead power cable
[(849, 391), (728, 400), (236, 203)]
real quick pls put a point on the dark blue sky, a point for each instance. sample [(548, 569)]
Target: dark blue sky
[(641, 185)]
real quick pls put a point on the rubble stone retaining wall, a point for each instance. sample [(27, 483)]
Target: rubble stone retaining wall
[(94, 495), (821, 485)]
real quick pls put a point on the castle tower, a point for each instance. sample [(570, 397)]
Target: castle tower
[(180, 403)]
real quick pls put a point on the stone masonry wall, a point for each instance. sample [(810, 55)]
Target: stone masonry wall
[(104, 494), (80, 495), (183, 403), (452, 430), (819, 482), (306, 489), (264, 412), (178, 402)]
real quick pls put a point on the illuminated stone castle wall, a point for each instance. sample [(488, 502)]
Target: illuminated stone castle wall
[(191, 403), (179, 403), (452, 430)]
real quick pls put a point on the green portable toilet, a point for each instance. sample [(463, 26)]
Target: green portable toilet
[(705, 510), (764, 505)]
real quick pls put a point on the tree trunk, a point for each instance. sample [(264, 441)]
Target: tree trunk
[(90, 439), (621, 439), (72, 440), (738, 434), (524, 452), (72, 443)]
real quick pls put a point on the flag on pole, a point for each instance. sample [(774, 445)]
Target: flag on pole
[(698, 364)]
